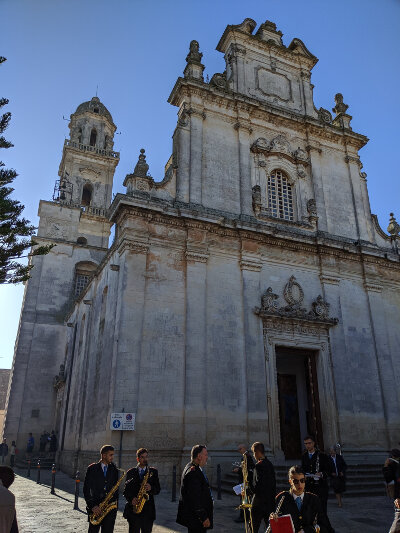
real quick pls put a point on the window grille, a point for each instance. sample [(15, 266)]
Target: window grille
[(81, 280), (280, 196)]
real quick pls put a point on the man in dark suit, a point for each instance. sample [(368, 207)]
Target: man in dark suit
[(262, 486), (141, 522), (317, 467), (195, 510), (304, 508), (99, 480)]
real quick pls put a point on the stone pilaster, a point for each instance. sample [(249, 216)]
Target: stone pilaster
[(197, 116), (254, 360), (183, 155), (244, 131), (195, 408)]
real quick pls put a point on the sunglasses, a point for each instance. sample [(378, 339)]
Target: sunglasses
[(298, 481)]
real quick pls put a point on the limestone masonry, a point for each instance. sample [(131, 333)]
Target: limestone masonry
[(249, 295)]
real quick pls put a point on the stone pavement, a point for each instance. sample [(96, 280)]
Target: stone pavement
[(39, 511)]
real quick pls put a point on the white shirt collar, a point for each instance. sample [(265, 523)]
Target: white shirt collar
[(295, 497)]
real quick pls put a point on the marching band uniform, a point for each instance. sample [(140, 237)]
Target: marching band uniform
[(99, 480), (319, 487), (142, 522), (263, 487), (305, 510), (195, 502)]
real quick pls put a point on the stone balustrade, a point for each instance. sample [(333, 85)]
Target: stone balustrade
[(88, 148)]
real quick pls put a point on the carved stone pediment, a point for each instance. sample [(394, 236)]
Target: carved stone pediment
[(279, 145), (293, 295)]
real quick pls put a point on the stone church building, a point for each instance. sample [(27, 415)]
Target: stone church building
[(248, 295)]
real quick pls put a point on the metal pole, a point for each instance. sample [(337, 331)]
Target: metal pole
[(173, 495), (38, 472), (120, 446), (28, 474), (219, 497), (53, 479), (77, 482)]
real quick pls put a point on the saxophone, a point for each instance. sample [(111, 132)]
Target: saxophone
[(142, 496), (105, 506)]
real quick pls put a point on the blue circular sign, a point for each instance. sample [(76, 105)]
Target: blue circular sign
[(116, 424)]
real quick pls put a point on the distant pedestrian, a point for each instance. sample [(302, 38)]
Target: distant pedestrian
[(338, 474), (43, 440), (13, 451), (8, 519), (53, 442), (30, 445), (3, 450)]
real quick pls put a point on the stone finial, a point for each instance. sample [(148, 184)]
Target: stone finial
[(268, 32), (194, 68), (342, 119), (139, 180), (141, 167), (394, 227)]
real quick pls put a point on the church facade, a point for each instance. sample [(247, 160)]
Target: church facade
[(249, 295)]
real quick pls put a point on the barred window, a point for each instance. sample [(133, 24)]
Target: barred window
[(84, 272), (280, 196), (81, 280)]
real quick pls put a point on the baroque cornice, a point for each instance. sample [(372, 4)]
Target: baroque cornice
[(268, 112), (263, 235)]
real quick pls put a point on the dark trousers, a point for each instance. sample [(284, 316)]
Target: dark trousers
[(258, 515), (196, 530), (12, 460), (140, 524), (395, 528), (107, 524)]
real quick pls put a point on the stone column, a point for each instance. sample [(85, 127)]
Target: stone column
[(195, 406), (244, 131), (197, 116), (254, 360)]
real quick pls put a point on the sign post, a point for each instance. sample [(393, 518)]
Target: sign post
[(122, 422)]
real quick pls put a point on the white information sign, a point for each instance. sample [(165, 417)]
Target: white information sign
[(122, 421)]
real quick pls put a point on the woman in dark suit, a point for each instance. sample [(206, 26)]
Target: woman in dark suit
[(337, 474)]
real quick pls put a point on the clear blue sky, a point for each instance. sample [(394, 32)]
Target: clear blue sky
[(58, 51)]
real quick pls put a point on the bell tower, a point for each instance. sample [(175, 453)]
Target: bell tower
[(87, 170), (76, 222)]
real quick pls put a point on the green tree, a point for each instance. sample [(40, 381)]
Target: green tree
[(15, 231)]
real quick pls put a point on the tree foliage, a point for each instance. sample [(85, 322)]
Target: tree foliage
[(15, 231)]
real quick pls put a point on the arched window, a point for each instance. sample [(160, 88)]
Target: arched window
[(84, 272), (80, 136), (86, 194), (280, 196), (81, 240), (93, 137)]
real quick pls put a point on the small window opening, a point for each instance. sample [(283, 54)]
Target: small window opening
[(93, 137), (80, 136), (86, 194), (81, 240), (96, 109)]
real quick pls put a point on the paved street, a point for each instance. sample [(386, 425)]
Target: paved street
[(39, 511)]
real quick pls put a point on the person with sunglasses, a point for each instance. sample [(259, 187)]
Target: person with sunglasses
[(304, 507)]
